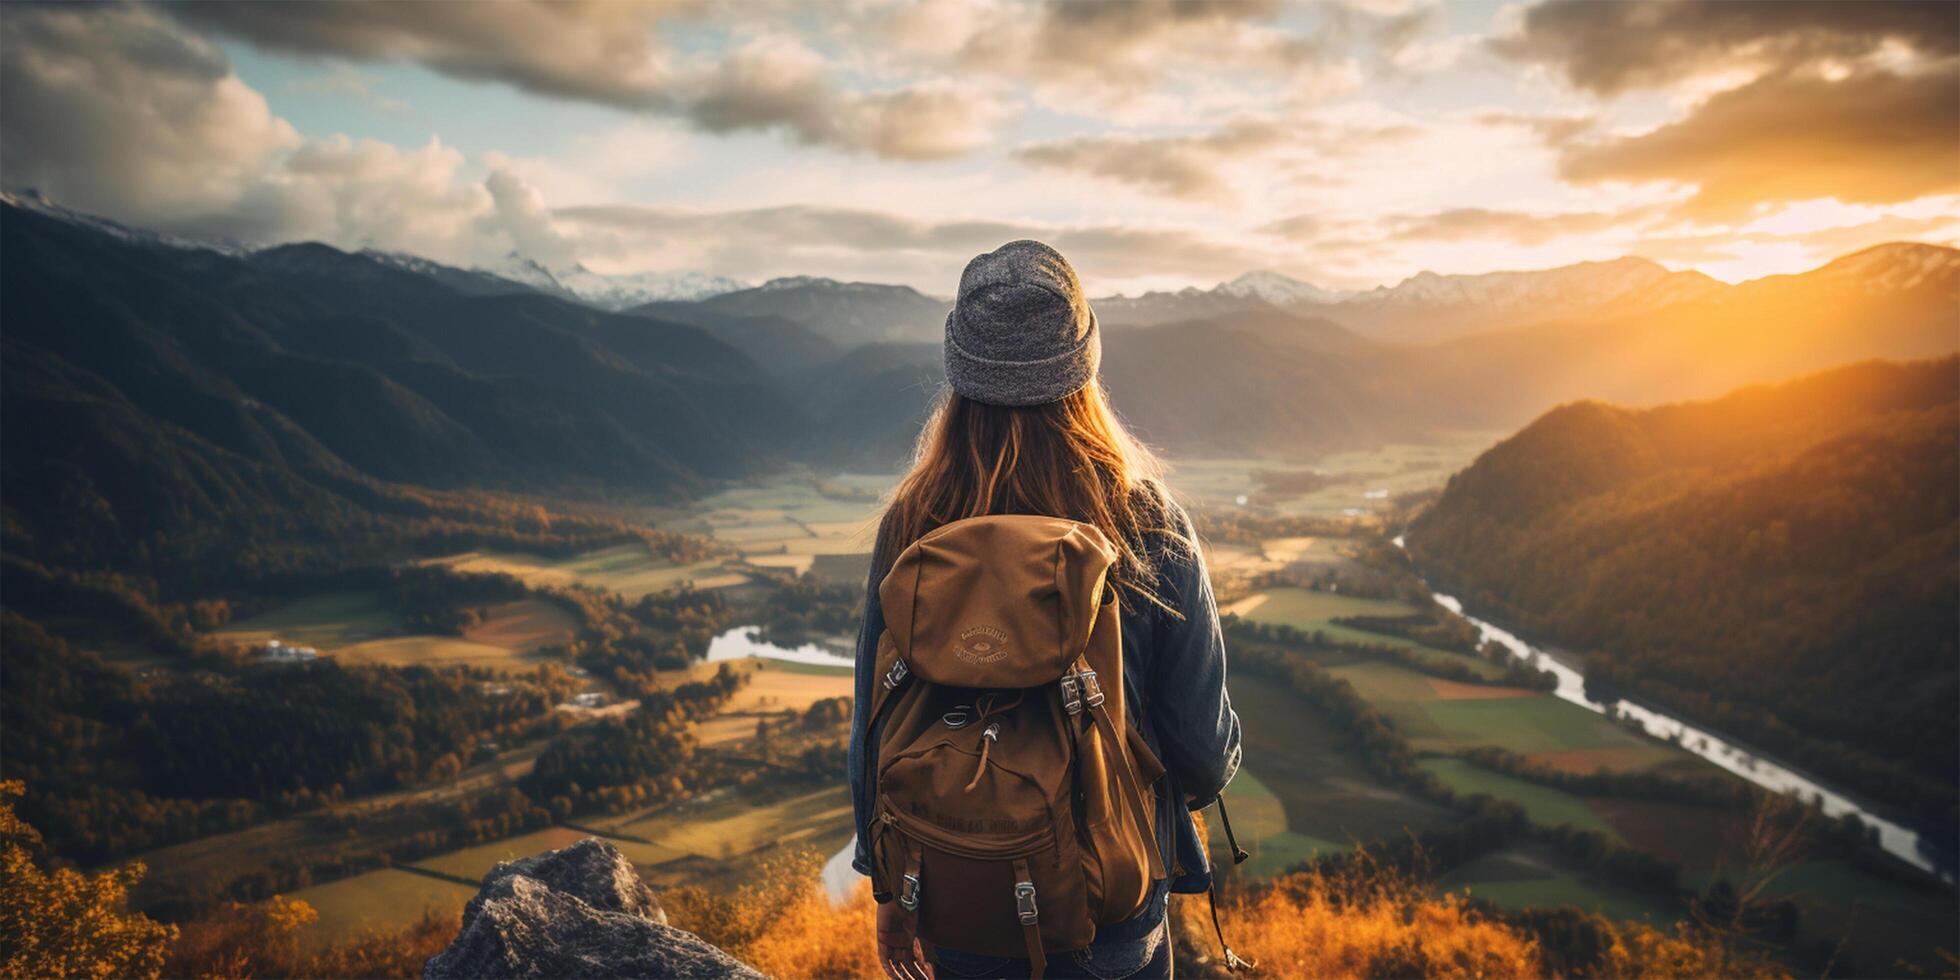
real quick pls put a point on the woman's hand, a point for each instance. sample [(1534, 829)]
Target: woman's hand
[(898, 944)]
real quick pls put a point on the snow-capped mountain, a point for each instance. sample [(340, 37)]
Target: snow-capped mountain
[(1281, 290), (30, 199), (611, 292), (1430, 306)]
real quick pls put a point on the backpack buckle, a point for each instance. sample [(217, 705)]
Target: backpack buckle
[(1093, 687), (1024, 902), (1071, 694), (895, 676), (908, 894)]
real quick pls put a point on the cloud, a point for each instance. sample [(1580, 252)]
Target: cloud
[(1608, 48), (612, 53), (1189, 167), (1517, 227), (779, 83), (108, 110), (602, 51), (1873, 137), (1104, 55), (881, 245), (118, 111), (1554, 130), (1197, 167)]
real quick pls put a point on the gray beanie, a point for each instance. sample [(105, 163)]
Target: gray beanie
[(1021, 332)]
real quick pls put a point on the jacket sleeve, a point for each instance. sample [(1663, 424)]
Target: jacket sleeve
[(859, 763), (1192, 712)]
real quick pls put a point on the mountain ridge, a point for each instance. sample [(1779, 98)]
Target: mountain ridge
[(1775, 562)]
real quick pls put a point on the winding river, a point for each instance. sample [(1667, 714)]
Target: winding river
[(1897, 840)]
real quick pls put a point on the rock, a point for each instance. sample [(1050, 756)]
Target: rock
[(591, 869), (577, 912)]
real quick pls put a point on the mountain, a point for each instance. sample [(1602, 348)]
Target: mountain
[(610, 292), (1777, 563), (178, 389), (1430, 307), (1188, 304), (1427, 307), (1281, 290), (1892, 301), (843, 313), (480, 380)]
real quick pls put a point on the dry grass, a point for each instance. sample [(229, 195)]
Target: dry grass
[(782, 923), (1370, 922)]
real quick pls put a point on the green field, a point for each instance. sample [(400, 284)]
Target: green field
[(360, 627), (378, 900), (1873, 916), (1543, 804), (628, 569), (1310, 610), (1306, 795), (1540, 723), (1355, 482), (325, 621), (1530, 874)]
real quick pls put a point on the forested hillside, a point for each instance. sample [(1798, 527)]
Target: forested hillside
[(1777, 563)]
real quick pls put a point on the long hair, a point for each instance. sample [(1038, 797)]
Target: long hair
[(1070, 458)]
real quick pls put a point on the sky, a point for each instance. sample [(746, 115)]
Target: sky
[(1348, 143)]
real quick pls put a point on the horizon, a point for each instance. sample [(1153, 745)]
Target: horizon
[(1343, 144), (40, 201)]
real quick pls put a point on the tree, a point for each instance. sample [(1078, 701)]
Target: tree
[(65, 923)]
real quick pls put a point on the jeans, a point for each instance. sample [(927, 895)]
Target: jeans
[(1145, 959)]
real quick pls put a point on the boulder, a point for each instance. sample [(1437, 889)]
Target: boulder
[(577, 912)]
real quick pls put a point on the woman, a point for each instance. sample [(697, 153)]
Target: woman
[(1026, 429)]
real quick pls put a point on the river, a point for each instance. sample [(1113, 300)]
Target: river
[(741, 641), (1897, 840)]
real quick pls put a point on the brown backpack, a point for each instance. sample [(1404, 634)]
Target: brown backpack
[(1013, 798)]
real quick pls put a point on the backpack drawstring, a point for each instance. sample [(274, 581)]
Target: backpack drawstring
[(983, 706), (987, 739)]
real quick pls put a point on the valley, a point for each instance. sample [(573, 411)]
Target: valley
[(341, 577)]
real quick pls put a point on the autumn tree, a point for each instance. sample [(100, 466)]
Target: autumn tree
[(63, 923)]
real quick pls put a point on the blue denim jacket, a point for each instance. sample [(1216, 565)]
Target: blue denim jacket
[(1175, 669)]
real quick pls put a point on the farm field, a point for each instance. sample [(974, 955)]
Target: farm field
[(360, 627), (1307, 794), (326, 621), (1532, 874), (377, 900), (628, 569), (1874, 917), (1353, 482), (1309, 610), (1443, 717), (774, 686), (1543, 804)]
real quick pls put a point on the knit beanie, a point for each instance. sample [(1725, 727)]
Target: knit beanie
[(1021, 332)]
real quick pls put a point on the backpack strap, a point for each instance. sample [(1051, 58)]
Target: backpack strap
[(1092, 699), (1030, 916), (891, 673)]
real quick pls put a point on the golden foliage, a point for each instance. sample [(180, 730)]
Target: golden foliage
[(261, 939), (67, 924), (783, 924), (389, 954), (1368, 921), (1640, 951)]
